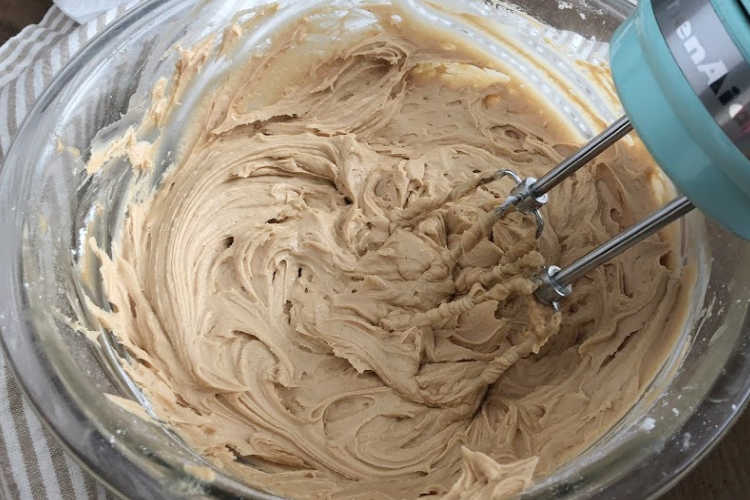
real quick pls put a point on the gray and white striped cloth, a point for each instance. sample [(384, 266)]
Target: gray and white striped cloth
[(33, 465)]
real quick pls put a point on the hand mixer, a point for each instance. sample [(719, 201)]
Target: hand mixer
[(682, 72)]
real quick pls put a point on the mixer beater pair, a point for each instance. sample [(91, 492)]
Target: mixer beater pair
[(530, 194)]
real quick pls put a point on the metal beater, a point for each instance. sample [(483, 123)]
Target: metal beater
[(530, 194)]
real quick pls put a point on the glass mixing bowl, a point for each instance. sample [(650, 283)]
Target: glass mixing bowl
[(48, 204)]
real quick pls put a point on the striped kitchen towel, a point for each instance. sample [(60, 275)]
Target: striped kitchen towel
[(32, 463)]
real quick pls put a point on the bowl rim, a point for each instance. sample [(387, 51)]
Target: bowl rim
[(27, 357)]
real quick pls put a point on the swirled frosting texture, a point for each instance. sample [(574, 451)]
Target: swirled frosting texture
[(301, 307)]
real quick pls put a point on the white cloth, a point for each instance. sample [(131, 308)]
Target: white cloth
[(83, 11)]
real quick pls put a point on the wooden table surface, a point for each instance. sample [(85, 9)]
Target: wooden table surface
[(723, 475)]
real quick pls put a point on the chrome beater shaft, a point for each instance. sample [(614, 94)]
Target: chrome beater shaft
[(556, 283), (530, 194)]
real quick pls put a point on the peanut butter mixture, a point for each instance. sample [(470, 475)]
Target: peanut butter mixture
[(300, 303)]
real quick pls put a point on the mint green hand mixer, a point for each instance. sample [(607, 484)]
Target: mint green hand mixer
[(682, 72)]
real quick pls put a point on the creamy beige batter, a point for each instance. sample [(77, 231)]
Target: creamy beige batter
[(297, 301)]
